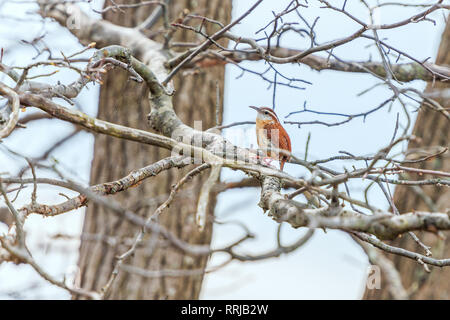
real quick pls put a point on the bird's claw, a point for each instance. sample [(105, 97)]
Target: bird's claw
[(264, 160), (267, 161)]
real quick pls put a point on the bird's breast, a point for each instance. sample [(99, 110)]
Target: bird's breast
[(269, 138)]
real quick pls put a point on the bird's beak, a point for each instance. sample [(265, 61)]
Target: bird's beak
[(253, 107)]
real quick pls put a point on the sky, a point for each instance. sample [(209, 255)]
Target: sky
[(329, 266)]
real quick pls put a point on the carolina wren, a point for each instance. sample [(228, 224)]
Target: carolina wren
[(271, 135)]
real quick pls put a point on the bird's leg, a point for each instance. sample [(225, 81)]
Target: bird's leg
[(264, 159), (267, 161)]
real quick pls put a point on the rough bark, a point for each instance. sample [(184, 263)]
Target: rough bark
[(124, 102), (433, 130)]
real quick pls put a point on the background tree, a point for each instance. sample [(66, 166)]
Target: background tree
[(432, 131), (122, 101)]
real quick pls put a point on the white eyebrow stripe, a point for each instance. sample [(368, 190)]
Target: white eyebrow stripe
[(271, 112)]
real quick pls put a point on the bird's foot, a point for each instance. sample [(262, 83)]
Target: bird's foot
[(264, 160), (267, 161)]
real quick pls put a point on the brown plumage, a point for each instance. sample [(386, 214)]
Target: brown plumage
[(271, 135)]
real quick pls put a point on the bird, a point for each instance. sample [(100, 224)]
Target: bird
[(271, 136)]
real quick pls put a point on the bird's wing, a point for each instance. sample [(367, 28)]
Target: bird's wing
[(278, 137)]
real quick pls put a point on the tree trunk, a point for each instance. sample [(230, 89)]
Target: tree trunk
[(125, 102), (433, 129)]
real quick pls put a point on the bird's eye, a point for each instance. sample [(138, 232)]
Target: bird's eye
[(266, 112)]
